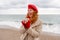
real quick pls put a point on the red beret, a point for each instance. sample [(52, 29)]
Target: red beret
[(31, 6)]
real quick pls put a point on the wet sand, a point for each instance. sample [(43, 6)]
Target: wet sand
[(8, 34), (49, 36)]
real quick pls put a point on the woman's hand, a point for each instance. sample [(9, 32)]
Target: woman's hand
[(26, 23), (25, 20)]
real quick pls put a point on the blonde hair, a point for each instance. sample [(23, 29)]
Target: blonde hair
[(34, 18)]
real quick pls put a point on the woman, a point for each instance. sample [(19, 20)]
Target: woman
[(34, 25)]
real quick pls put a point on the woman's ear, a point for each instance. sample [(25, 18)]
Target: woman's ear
[(35, 12)]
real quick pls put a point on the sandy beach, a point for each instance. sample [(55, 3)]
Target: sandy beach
[(49, 36), (9, 33), (12, 34)]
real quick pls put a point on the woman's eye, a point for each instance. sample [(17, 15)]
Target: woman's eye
[(29, 10)]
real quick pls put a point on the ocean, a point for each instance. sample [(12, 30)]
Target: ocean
[(51, 23), (46, 18)]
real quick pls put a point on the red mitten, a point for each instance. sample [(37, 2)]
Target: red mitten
[(26, 25), (23, 23)]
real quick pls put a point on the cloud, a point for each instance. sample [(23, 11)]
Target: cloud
[(7, 4), (46, 3), (12, 4)]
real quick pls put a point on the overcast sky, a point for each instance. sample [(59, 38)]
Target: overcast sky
[(15, 6), (6, 4)]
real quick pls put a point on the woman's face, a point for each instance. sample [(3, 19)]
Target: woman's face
[(30, 12)]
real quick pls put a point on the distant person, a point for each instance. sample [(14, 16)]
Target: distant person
[(31, 25)]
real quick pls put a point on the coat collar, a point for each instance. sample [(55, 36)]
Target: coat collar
[(36, 23)]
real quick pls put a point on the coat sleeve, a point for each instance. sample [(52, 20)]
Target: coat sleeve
[(23, 36), (22, 30), (22, 33), (35, 33)]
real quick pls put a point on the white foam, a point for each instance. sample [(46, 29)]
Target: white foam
[(53, 29), (11, 24)]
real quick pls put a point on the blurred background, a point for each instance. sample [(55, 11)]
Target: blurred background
[(13, 11)]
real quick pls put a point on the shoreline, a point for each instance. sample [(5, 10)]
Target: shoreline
[(11, 33)]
